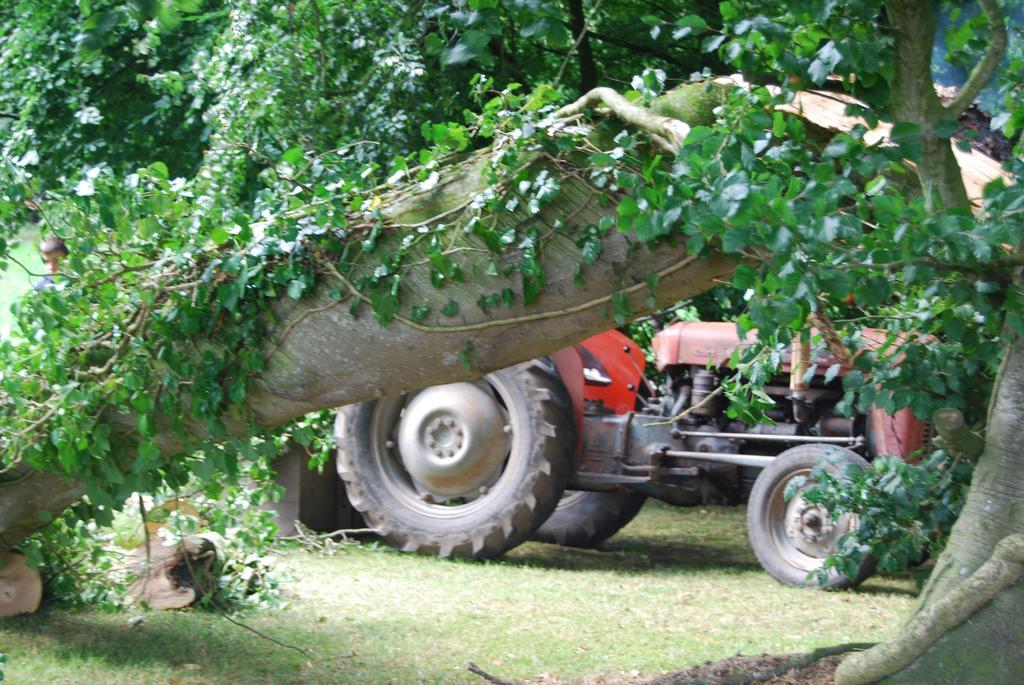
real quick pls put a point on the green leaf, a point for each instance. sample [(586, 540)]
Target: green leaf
[(471, 46), (711, 43), (627, 212), (905, 129), (621, 307), (945, 128), (295, 289), (735, 240), (451, 308), (237, 392), (433, 44), (744, 277), (832, 372), (824, 62), (778, 124), (159, 170), (219, 236), (466, 355), (291, 156), (875, 185)]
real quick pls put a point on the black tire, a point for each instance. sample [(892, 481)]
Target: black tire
[(530, 481), (789, 542), (585, 519)]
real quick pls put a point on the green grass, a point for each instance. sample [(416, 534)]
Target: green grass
[(14, 281), (675, 588)]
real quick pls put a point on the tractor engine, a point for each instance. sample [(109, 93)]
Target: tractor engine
[(678, 443)]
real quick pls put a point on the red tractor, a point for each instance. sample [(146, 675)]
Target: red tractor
[(566, 449)]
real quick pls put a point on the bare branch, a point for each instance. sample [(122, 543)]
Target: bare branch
[(983, 70)]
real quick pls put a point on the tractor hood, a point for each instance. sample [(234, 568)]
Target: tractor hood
[(700, 342)]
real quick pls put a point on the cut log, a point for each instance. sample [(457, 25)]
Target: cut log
[(175, 576), (21, 589)]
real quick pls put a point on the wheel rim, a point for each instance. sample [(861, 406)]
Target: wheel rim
[(446, 450), (803, 533)]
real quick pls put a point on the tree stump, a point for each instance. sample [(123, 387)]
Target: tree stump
[(21, 588), (176, 576)]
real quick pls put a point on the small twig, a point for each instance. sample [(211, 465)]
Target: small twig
[(29, 272), (343, 532), (225, 616), (266, 637), (476, 670), (438, 217)]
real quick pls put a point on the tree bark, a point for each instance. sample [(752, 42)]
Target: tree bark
[(914, 101), (321, 356)]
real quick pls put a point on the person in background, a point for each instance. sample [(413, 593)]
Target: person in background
[(53, 251)]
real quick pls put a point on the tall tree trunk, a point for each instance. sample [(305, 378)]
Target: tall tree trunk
[(973, 596), (968, 623), (321, 356), (584, 53)]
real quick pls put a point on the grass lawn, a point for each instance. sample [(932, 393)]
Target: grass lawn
[(675, 588), (14, 282)]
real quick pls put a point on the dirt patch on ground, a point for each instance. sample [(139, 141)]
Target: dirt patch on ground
[(815, 668), (771, 669)]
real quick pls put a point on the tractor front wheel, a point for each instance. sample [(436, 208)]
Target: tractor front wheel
[(792, 537), (467, 469)]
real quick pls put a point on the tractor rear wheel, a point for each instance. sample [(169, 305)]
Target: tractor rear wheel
[(466, 469), (585, 519), (792, 537)]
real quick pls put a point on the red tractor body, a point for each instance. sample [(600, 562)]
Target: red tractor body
[(617, 357)]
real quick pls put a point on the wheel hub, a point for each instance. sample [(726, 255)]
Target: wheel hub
[(452, 441), (810, 529)]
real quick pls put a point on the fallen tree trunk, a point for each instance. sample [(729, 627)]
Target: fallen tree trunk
[(321, 355)]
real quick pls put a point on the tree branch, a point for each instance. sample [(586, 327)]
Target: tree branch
[(984, 69), (959, 439), (670, 132)]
